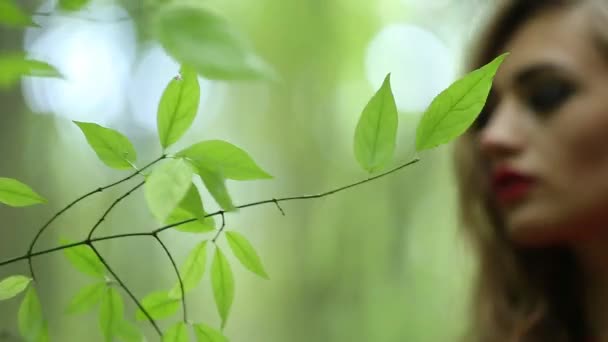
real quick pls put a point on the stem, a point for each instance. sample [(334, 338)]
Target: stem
[(220, 212), (179, 277), (331, 192), (122, 284), (118, 200), (66, 208), (221, 228)]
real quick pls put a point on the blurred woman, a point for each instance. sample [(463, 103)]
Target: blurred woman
[(533, 175)]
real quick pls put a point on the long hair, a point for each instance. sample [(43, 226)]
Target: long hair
[(520, 294)]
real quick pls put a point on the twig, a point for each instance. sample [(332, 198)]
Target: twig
[(331, 192), (112, 206), (122, 284), (163, 228), (276, 202), (221, 212), (66, 208), (179, 277), (89, 241)]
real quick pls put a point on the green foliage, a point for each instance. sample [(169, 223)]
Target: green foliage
[(32, 326), (205, 333), (246, 254), (178, 107), (222, 282), (167, 186), (224, 158), (17, 194), (73, 5), (84, 260), (191, 207), (14, 65), (112, 147), (86, 298), (216, 185), (207, 45), (13, 16), (159, 305), (110, 313), (176, 333), (376, 132), (192, 270), (455, 109), (196, 37), (128, 332), (12, 286)]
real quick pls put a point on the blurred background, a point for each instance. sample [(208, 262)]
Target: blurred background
[(380, 262)]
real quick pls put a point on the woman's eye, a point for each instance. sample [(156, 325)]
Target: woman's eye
[(484, 116), (548, 97)]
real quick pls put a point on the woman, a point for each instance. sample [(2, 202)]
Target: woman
[(533, 175)]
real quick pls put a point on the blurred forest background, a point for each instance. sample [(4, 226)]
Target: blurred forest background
[(380, 262)]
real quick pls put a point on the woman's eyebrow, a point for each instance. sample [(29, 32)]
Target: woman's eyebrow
[(533, 72)]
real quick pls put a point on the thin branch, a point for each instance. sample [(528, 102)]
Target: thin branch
[(163, 228), (89, 241), (70, 245), (114, 204), (331, 192), (276, 202), (122, 284), (221, 212), (179, 277), (66, 208)]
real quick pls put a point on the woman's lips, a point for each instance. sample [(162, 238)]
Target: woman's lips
[(510, 185)]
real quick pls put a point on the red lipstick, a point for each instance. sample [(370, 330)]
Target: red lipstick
[(510, 185)]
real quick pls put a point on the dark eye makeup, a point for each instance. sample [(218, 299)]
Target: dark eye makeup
[(542, 95), (486, 112), (546, 96)]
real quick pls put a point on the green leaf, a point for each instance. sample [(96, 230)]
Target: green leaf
[(177, 333), (205, 333), (112, 147), (167, 186), (31, 322), (73, 5), (224, 158), (222, 282), (12, 15), (455, 109), (14, 65), (192, 270), (12, 286), (216, 185), (178, 107), (198, 38), (86, 298), (191, 207), (158, 305), (84, 260), (376, 132), (110, 313), (246, 254), (17, 194), (128, 332), (44, 333)]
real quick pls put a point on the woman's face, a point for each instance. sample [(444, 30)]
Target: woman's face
[(544, 132)]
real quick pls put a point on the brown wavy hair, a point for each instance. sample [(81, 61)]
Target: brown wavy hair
[(521, 294)]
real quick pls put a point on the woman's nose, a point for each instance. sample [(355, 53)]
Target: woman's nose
[(502, 136)]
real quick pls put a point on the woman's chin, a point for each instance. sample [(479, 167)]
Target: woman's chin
[(545, 234), (530, 231)]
